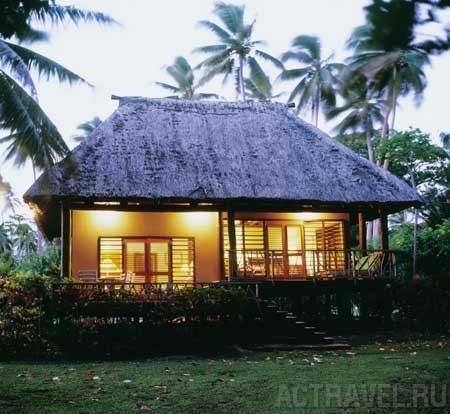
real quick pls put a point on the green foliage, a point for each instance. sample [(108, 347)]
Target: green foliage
[(356, 141), (22, 314), (185, 85), (32, 135), (47, 262), (34, 318), (433, 247), (317, 77), (234, 45), (86, 128), (413, 156)]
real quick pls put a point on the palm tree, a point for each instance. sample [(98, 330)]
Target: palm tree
[(185, 86), (362, 109), (235, 47), (32, 135), (86, 128), (317, 77), (258, 85), (23, 237), (7, 199), (386, 51), (5, 240), (445, 139)]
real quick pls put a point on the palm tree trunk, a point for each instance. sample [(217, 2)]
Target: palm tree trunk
[(241, 77), (39, 235), (416, 222), (369, 141), (317, 105), (369, 228)]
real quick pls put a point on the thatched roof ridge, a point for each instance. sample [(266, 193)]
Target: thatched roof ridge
[(195, 150)]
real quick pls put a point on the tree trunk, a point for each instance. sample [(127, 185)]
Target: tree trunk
[(40, 239), (369, 141), (317, 105), (416, 220), (241, 77)]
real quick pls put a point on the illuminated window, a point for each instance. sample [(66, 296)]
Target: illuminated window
[(110, 256), (286, 248), (154, 260)]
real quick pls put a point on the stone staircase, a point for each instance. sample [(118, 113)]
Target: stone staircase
[(288, 331)]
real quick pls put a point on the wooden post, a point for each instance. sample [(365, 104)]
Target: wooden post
[(384, 232), (362, 234), (232, 265), (65, 240)]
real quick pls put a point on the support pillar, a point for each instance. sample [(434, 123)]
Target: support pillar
[(362, 234), (65, 240), (384, 232), (232, 244)]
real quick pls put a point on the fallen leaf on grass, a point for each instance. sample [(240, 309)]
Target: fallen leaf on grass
[(127, 381), (144, 408)]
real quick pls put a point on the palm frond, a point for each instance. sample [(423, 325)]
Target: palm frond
[(17, 67), (168, 87), (210, 49), (310, 44), (266, 56), (45, 66), (60, 14), (32, 134), (231, 15), (216, 29), (290, 74)]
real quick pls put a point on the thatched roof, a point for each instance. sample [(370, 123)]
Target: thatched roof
[(174, 149)]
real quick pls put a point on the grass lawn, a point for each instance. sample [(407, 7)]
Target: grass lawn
[(250, 383)]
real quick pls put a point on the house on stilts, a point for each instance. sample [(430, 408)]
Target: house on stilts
[(173, 192)]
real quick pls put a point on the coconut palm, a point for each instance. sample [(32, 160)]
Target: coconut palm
[(361, 110), (7, 199), (386, 51), (258, 85), (86, 128), (317, 76), (5, 240), (23, 237), (235, 46), (31, 134), (445, 139), (185, 86)]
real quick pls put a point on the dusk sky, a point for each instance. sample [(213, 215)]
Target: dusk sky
[(126, 60)]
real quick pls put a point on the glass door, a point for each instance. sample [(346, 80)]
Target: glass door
[(159, 261), (148, 260), (285, 250), (135, 260), (294, 251)]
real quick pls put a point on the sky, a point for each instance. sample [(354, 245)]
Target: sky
[(127, 59)]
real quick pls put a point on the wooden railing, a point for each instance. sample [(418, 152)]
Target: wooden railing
[(309, 264)]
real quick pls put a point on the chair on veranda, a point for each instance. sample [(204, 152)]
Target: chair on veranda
[(369, 266)]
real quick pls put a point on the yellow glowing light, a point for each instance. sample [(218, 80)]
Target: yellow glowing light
[(308, 216), (199, 218), (107, 203), (105, 217)]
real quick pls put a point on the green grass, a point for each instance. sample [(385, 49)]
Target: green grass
[(221, 384)]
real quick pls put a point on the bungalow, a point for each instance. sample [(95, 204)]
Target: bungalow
[(174, 191)]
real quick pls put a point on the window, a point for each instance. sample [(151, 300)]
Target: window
[(148, 259), (249, 247), (324, 241), (110, 257), (286, 248)]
